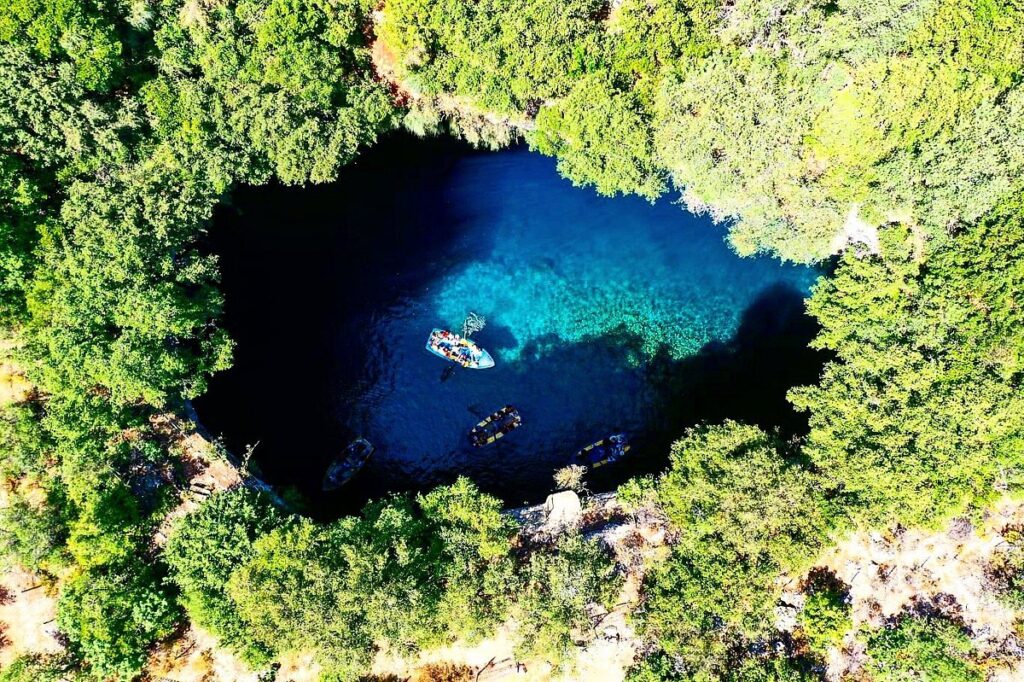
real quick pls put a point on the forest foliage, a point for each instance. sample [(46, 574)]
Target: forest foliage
[(746, 511), (794, 120), (407, 574), (802, 123)]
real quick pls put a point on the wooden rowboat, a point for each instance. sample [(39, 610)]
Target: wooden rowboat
[(348, 464)]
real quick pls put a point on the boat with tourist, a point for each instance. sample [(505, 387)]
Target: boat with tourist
[(504, 421), (605, 451), (458, 349), (347, 464)]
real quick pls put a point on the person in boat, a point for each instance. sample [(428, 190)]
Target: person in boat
[(618, 447)]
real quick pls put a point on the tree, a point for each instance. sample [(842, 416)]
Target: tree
[(204, 547), (37, 668), (921, 417), (430, 570), (561, 583), (925, 648), (105, 529), (293, 592), (126, 301), (56, 126), (825, 617), (499, 56), (745, 513), (406, 573), (72, 30), (283, 84), (20, 209), (472, 539), (112, 616), (600, 137), (25, 443), (32, 534)]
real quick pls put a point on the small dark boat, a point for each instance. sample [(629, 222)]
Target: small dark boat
[(503, 421), (348, 464), (458, 349), (611, 449)]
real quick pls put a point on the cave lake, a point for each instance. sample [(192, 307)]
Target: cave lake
[(604, 315)]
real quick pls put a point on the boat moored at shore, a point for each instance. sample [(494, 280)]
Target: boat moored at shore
[(605, 451), (348, 464)]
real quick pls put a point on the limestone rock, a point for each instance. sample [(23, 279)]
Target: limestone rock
[(562, 509)]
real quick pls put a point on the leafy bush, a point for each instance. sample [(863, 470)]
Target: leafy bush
[(1007, 569), (204, 548), (471, 539), (408, 572), (825, 617), (926, 648), (72, 29), (112, 616), (32, 535), (744, 513), (37, 668), (560, 584), (920, 417), (658, 667), (293, 594)]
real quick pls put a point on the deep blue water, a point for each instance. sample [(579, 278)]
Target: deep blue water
[(603, 315)]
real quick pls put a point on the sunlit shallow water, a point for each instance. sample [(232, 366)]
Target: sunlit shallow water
[(603, 315)]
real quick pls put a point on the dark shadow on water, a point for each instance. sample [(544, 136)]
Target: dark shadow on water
[(306, 267), (500, 337), (744, 379)]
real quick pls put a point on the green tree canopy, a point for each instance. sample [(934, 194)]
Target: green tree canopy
[(21, 213), (293, 594), (826, 615), (204, 548), (112, 615), (745, 514), (73, 30), (279, 85), (560, 585), (37, 668), (922, 648), (126, 300), (921, 416), (407, 573)]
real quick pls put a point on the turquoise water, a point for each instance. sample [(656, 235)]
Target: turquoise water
[(558, 266), (603, 315)]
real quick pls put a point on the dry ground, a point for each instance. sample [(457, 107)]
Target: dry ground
[(27, 611), (887, 573)]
